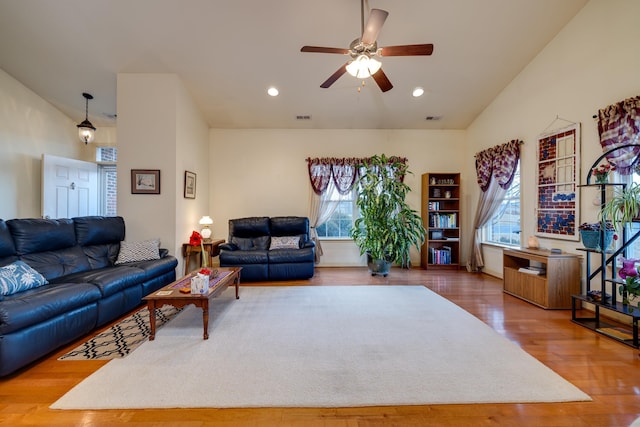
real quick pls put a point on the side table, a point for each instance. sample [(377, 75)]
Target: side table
[(212, 248)]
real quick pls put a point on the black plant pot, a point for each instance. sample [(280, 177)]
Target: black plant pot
[(378, 266)]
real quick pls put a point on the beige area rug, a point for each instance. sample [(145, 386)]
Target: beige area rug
[(314, 346), (122, 338)]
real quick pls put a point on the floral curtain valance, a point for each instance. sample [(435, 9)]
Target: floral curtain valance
[(499, 162), (343, 172), (619, 124)]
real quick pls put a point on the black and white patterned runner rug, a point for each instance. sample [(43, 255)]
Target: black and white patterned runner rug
[(122, 338)]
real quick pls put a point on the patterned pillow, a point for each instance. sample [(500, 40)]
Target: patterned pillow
[(285, 242), (138, 251), (18, 277)]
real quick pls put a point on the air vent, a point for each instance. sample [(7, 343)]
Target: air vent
[(303, 117), (433, 118)]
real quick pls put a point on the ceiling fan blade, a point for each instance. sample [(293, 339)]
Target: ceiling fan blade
[(335, 76), (320, 49), (374, 24), (381, 78), (407, 50)]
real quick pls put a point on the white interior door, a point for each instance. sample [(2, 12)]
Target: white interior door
[(69, 187)]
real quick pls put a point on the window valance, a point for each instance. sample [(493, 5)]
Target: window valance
[(619, 124)]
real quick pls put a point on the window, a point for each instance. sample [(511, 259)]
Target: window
[(341, 220), (633, 250), (504, 226), (108, 180)]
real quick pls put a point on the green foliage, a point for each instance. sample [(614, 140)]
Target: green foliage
[(623, 207), (387, 227)]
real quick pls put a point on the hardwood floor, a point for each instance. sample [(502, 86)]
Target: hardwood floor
[(606, 370)]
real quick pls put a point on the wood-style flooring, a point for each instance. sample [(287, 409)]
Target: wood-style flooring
[(606, 370)]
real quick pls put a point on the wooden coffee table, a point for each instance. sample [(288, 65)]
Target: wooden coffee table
[(171, 295)]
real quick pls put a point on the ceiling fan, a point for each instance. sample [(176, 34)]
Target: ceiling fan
[(363, 51)]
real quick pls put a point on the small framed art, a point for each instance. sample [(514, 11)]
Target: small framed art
[(189, 185), (145, 181)]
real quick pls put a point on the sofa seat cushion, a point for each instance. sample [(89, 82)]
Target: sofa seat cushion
[(155, 268), (240, 257), (108, 280), (281, 256), (37, 305)]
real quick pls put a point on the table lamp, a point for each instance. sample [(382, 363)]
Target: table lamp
[(206, 221)]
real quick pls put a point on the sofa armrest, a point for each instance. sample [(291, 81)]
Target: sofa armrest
[(308, 244), (229, 247)]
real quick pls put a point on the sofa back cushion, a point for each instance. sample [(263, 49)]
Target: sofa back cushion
[(7, 248), (99, 230), (250, 233), (291, 226), (54, 264), (41, 235), (100, 238), (49, 246)]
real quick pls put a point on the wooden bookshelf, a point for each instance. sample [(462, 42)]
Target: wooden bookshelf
[(441, 218)]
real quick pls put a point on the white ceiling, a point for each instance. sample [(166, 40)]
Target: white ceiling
[(228, 53)]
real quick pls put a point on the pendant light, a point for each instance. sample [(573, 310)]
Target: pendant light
[(86, 131)]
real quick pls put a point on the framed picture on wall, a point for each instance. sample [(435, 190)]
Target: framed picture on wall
[(558, 201), (189, 185), (145, 181)]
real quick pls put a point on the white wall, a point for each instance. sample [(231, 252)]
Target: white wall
[(262, 172), (192, 141), (159, 127), (592, 63), (29, 128)]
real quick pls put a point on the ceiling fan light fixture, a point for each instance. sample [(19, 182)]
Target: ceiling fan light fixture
[(86, 131), (363, 66)]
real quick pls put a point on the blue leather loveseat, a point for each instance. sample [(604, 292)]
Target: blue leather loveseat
[(84, 287), (276, 248)]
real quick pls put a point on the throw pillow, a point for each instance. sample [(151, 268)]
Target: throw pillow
[(138, 251), (18, 277), (285, 242)]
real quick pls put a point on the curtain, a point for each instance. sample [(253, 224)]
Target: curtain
[(619, 124), (495, 169), (326, 175)]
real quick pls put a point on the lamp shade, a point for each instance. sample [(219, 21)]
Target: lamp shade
[(86, 131), (206, 220), (363, 67)]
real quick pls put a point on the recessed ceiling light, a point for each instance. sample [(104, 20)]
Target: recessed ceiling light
[(417, 92), (273, 91)]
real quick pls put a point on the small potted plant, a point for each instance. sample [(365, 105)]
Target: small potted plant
[(630, 289), (601, 172), (592, 234), (623, 207)]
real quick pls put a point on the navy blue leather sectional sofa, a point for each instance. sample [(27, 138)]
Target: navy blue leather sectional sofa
[(276, 248), (85, 290)]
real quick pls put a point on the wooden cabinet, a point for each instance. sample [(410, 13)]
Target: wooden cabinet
[(540, 277), (441, 218)]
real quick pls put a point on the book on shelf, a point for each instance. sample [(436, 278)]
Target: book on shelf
[(440, 255), (441, 220)]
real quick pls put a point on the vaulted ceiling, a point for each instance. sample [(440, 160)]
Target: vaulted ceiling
[(228, 53)]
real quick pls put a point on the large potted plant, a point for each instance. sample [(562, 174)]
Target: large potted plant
[(387, 227)]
